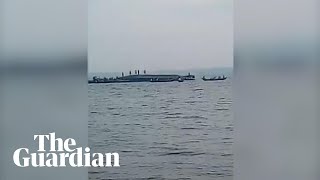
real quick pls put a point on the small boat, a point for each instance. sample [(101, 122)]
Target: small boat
[(189, 77), (219, 78), (180, 79)]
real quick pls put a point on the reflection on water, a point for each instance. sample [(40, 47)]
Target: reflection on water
[(163, 130)]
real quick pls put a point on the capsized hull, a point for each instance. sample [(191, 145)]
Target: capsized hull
[(136, 78)]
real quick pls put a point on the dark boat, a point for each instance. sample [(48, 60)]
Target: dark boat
[(189, 77), (219, 78)]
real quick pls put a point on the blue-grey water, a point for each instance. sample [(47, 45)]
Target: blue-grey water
[(163, 130)]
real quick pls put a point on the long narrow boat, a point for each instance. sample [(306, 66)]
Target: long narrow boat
[(214, 78)]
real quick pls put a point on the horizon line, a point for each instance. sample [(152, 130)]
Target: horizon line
[(229, 67)]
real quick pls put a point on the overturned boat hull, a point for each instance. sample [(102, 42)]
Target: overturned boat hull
[(136, 78)]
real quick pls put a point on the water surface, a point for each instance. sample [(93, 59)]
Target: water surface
[(163, 130)]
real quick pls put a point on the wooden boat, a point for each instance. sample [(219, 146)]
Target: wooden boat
[(189, 77), (219, 78)]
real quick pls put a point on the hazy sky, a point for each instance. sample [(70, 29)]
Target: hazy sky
[(159, 34), (38, 31)]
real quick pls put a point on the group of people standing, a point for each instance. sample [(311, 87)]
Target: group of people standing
[(136, 72)]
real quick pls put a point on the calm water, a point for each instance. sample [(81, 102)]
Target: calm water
[(163, 130)]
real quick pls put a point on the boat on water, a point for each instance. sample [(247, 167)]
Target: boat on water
[(189, 77), (219, 78), (137, 77)]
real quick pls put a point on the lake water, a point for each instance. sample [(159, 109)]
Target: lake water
[(163, 130)]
